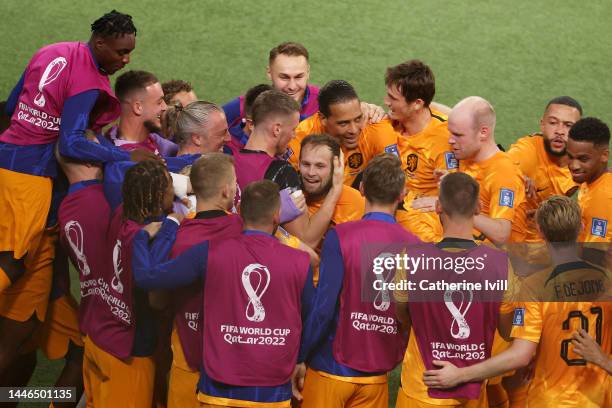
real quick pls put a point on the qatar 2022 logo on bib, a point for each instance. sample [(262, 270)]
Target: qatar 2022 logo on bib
[(255, 311), (51, 73)]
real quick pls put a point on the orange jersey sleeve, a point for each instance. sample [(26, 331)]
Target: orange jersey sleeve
[(595, 201), (524, 153), (378, 138), (502, 188)]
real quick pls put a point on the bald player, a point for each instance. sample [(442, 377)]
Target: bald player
[(588, 149), (472, 138), (422, 142), (341, 117), (545, 327), (542, 158)]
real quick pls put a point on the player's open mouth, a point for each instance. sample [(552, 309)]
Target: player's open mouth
[(557, 143)]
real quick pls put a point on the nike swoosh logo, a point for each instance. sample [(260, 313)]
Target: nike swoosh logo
[(539, 190)]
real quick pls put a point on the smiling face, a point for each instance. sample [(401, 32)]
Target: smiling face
[(289, 74), (152, 106), (214, 134), (399, 109), (113, 53), (345, 122), (586, 160), (316, 169), (555, 126)]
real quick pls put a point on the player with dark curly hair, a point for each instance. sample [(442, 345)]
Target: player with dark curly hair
[(118, 365), (63, 91)]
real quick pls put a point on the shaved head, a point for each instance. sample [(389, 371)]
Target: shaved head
[(471, 124), (476, 109)]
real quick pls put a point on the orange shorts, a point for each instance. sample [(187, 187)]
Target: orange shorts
[(30, 293), (182, 389), (60, 328), (323, 391), (111, 382), (24, 205), (425, 225), (404, 401), (207, 401)]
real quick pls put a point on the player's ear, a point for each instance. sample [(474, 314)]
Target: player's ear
[(137, 107), (195, 139), (322, 118), (477, 208), (276, 217), (438, 207), (269, 73), (403, 195), (99, 42), (361, 190), (276, 129), (605, 155)]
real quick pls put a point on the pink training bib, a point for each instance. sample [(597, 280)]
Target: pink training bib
[(56, 73)]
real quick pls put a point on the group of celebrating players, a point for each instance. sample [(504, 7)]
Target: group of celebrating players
[(220, 250)]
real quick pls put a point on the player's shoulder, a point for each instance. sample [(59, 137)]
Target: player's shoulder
[(531, 141), (438, 117), (503, 162), (308, 126), (351, 196), (380, 135)]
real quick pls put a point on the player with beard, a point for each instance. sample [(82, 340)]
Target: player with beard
[(588, 149), (348, 366), (275, 117), (321, 174), (543, 159), (142, 107), (341, 117)]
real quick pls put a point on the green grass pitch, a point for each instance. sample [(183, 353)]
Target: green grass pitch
[(518, 54)]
